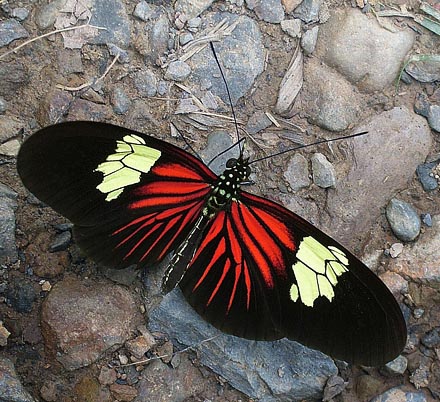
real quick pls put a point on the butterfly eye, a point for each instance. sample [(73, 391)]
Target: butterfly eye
[(231, 163)]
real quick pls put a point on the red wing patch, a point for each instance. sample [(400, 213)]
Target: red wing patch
[(249, 247)]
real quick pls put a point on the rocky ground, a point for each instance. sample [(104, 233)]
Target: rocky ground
[(298, 71)]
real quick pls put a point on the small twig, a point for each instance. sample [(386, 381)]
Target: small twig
[(196, 100), (46, 35), (90, 83), (170, 355), (272, 119)]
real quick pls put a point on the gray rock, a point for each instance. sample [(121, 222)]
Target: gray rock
[(162, 87), (269, 10), (424, 71), (403, 219), (8, 205), (11, 30), (113, 49), (397, 366), (121, 102), (324, 174), (332, 102), (241, 55), (397, 394), (177, 71), (111, 14), (145, 11), (21, 295), (46, 15), (81, 320), (3, 106), (297, 172), (290, 372), (186, 38), (424, 173), (20, 13), (218, 141), (335, 385), (70, 61), (61, 242), (426, 219), (153, 41), (258, 122), (308, 40), (194, 23), (397, 141), (432, 338), (292, 27), (434, 117), (190, 8), (11, 389), (145, 82), (308, 11), (372, 58), (162, 383), (420, 261), (13, 76)]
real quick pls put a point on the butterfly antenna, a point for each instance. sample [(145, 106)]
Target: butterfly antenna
[(309, 145), (226, 150), (229, 97), (187, 142)]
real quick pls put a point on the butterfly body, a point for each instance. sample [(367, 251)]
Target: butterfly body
[(247, 265)]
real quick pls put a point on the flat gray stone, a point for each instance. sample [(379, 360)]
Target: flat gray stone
[(11, 389), (190, 8), (331, 101), (241, 55), (111, 14), (268, 371), (404, 220), (420, 261), (324, 174), (145, 82), (297, 172), (269, 10), (46, 15), (398, 140), (361, 50), (81, 320), (11, 30), (178, 71)]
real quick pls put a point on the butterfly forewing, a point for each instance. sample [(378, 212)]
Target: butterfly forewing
[(249, 266), (132, 198)]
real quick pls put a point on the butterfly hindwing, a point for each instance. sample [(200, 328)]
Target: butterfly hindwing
[(272, 275), (131, 197)]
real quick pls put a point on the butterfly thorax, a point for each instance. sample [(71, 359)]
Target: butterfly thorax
[(227, 188)]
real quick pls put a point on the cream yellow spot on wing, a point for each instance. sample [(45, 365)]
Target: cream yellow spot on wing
[(307, 283), (294, 294), (317, 270), (125, 166)]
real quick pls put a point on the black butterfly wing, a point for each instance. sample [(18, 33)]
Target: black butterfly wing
[(262, 272), (131, 197)]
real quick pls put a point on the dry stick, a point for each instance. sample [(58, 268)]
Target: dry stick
[(90, 83), (15, 49), (170, 355)]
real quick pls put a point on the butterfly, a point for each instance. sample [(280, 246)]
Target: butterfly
[(247, 265)]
